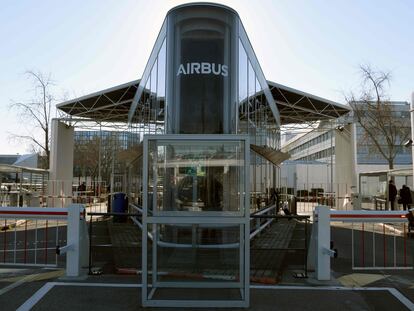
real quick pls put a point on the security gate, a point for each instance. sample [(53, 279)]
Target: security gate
[(195, 221)]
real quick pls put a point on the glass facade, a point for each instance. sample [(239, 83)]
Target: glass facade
[(201, 69), (147, 113), (204, 78)]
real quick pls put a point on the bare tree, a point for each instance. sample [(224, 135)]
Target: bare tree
[(99, 150), (37, 112), (385, 129)]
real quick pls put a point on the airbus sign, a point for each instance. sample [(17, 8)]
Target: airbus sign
[(203, 69)]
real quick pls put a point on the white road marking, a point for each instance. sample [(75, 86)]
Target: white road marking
[(31, 302), (404, 300), (17, 283)]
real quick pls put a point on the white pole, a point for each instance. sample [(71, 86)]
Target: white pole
[(323, 242), (412, 130), (76, 240)]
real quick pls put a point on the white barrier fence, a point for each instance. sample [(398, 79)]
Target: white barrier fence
[(378, 240), (30, 236)]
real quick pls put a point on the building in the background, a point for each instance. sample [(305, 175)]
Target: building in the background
[(344, 151), (8, 158), (16, 160), (26, 160)]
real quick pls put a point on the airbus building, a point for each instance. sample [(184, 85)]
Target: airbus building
[(203, 152)]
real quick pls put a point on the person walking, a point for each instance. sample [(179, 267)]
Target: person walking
[(392, 193), (405, 197)]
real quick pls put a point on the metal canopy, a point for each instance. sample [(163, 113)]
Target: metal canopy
[(274, 156), (113, 105), (107, 105), (299, 107)]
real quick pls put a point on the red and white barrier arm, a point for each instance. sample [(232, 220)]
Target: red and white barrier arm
[(44, 213), (369, 216)]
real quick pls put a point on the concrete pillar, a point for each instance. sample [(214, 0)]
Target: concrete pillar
[(345, 176), (77, 241), (61, 165), (323, 241)]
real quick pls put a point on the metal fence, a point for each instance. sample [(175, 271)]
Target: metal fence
[(363, 240), (30, 237), (378, 240)]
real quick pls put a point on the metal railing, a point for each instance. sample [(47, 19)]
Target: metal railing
[(303, 248), (97, 216), (258, 222)]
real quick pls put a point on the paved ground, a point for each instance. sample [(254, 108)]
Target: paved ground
[(123, 293), (381, 289)]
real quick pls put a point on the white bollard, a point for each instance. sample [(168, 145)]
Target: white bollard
[(77, 241), (323, 243)]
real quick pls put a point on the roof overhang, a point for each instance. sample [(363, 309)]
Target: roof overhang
[(113, 105), (299, 107), (110, 105)]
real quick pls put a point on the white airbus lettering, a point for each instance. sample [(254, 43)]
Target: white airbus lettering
[(203, 68), (181, 70)]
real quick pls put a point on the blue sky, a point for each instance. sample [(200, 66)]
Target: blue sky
[(312, 45)]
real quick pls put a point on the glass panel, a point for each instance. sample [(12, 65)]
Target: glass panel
[(188, 253), (258, 87), (154, 79), (146, 104), (252, 80), (243, 90), (197, 249), (242, 73), (161, 71), (196, 176), (161, 89)]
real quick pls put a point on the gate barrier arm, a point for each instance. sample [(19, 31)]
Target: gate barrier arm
[(320, 249), (77, 247)]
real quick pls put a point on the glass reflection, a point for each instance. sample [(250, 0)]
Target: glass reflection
[(198, 249), (190, 177)]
